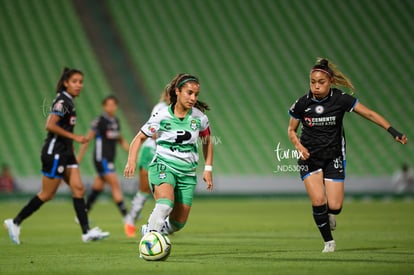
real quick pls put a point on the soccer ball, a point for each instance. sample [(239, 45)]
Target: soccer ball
[(154, 247)]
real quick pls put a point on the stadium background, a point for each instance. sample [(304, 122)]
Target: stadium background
[(253, 59)]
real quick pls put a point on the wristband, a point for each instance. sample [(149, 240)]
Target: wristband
[(394, 132), (208, 168)]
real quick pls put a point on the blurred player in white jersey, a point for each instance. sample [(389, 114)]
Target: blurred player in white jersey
[(145, 156)]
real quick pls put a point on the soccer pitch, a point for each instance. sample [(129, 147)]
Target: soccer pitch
[(222, 236)]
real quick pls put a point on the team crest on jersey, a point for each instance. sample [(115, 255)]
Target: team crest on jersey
[(193, 124), (162, 175), (319, 109), (308, 121), (59, 106), (152, 129)]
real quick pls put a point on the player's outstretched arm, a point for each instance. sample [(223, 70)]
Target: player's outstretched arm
[(136, 143), (208, 160), (379, 120)]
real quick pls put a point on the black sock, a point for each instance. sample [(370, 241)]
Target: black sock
[(320, 215), (92, 198), (122, 208), (334, 211), (28, 210), (80, 209)]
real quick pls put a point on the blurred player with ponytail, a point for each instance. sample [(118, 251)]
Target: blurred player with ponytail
[(58, 159)]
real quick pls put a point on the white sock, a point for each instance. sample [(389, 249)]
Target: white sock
[(136, 207), (158, 216)]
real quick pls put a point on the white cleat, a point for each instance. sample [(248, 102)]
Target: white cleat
[(94, 234), (13, 229), (144, 229), (329, 247), (332, 222)]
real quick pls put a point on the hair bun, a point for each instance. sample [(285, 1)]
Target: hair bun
[(324, 62)]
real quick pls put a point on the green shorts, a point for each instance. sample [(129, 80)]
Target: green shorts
[(184, 186), (145, 156)]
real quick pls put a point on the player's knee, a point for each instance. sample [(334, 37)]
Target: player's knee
[(318, 201), (78, 191), (117, 195), (334, 211), (335, 207), (45, 196)]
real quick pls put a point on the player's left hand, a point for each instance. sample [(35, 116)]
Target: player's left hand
[(208, 178), (129, 170), (403, 139)]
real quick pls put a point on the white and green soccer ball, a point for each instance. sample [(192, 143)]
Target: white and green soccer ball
[(154, 247)]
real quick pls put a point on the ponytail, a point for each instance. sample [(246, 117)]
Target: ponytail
[(66, 74), (177, 82), (338, 78)]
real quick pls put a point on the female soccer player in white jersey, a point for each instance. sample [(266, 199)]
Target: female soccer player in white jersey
[(172, 172), (58, 159), (145, 157), (322, 142)]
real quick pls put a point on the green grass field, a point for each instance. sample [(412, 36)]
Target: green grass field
[(223, 235)]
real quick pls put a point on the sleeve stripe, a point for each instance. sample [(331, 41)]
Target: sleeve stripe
[(292, 116), (353, 106), (57, 113), (145, 133)]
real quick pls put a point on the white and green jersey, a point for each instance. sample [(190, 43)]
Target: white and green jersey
[(150, 142), (177, 138)]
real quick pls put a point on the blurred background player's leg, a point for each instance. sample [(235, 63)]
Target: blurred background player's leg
[(137, 203)]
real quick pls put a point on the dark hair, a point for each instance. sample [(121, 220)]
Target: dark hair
[(323, 65), (65, 76), (110, 97), (177, 82), (338, 78)]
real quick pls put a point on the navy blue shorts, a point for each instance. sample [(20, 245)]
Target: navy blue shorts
[(54, 165), (104, 167), (332, 169)]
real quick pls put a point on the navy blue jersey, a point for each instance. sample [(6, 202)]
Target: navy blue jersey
[(63, 106), (322, 130), (107, 133)]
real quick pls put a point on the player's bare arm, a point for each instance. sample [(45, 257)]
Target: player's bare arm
[(136, 143)]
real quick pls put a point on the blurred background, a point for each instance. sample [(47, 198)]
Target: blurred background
[(253, 59)]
